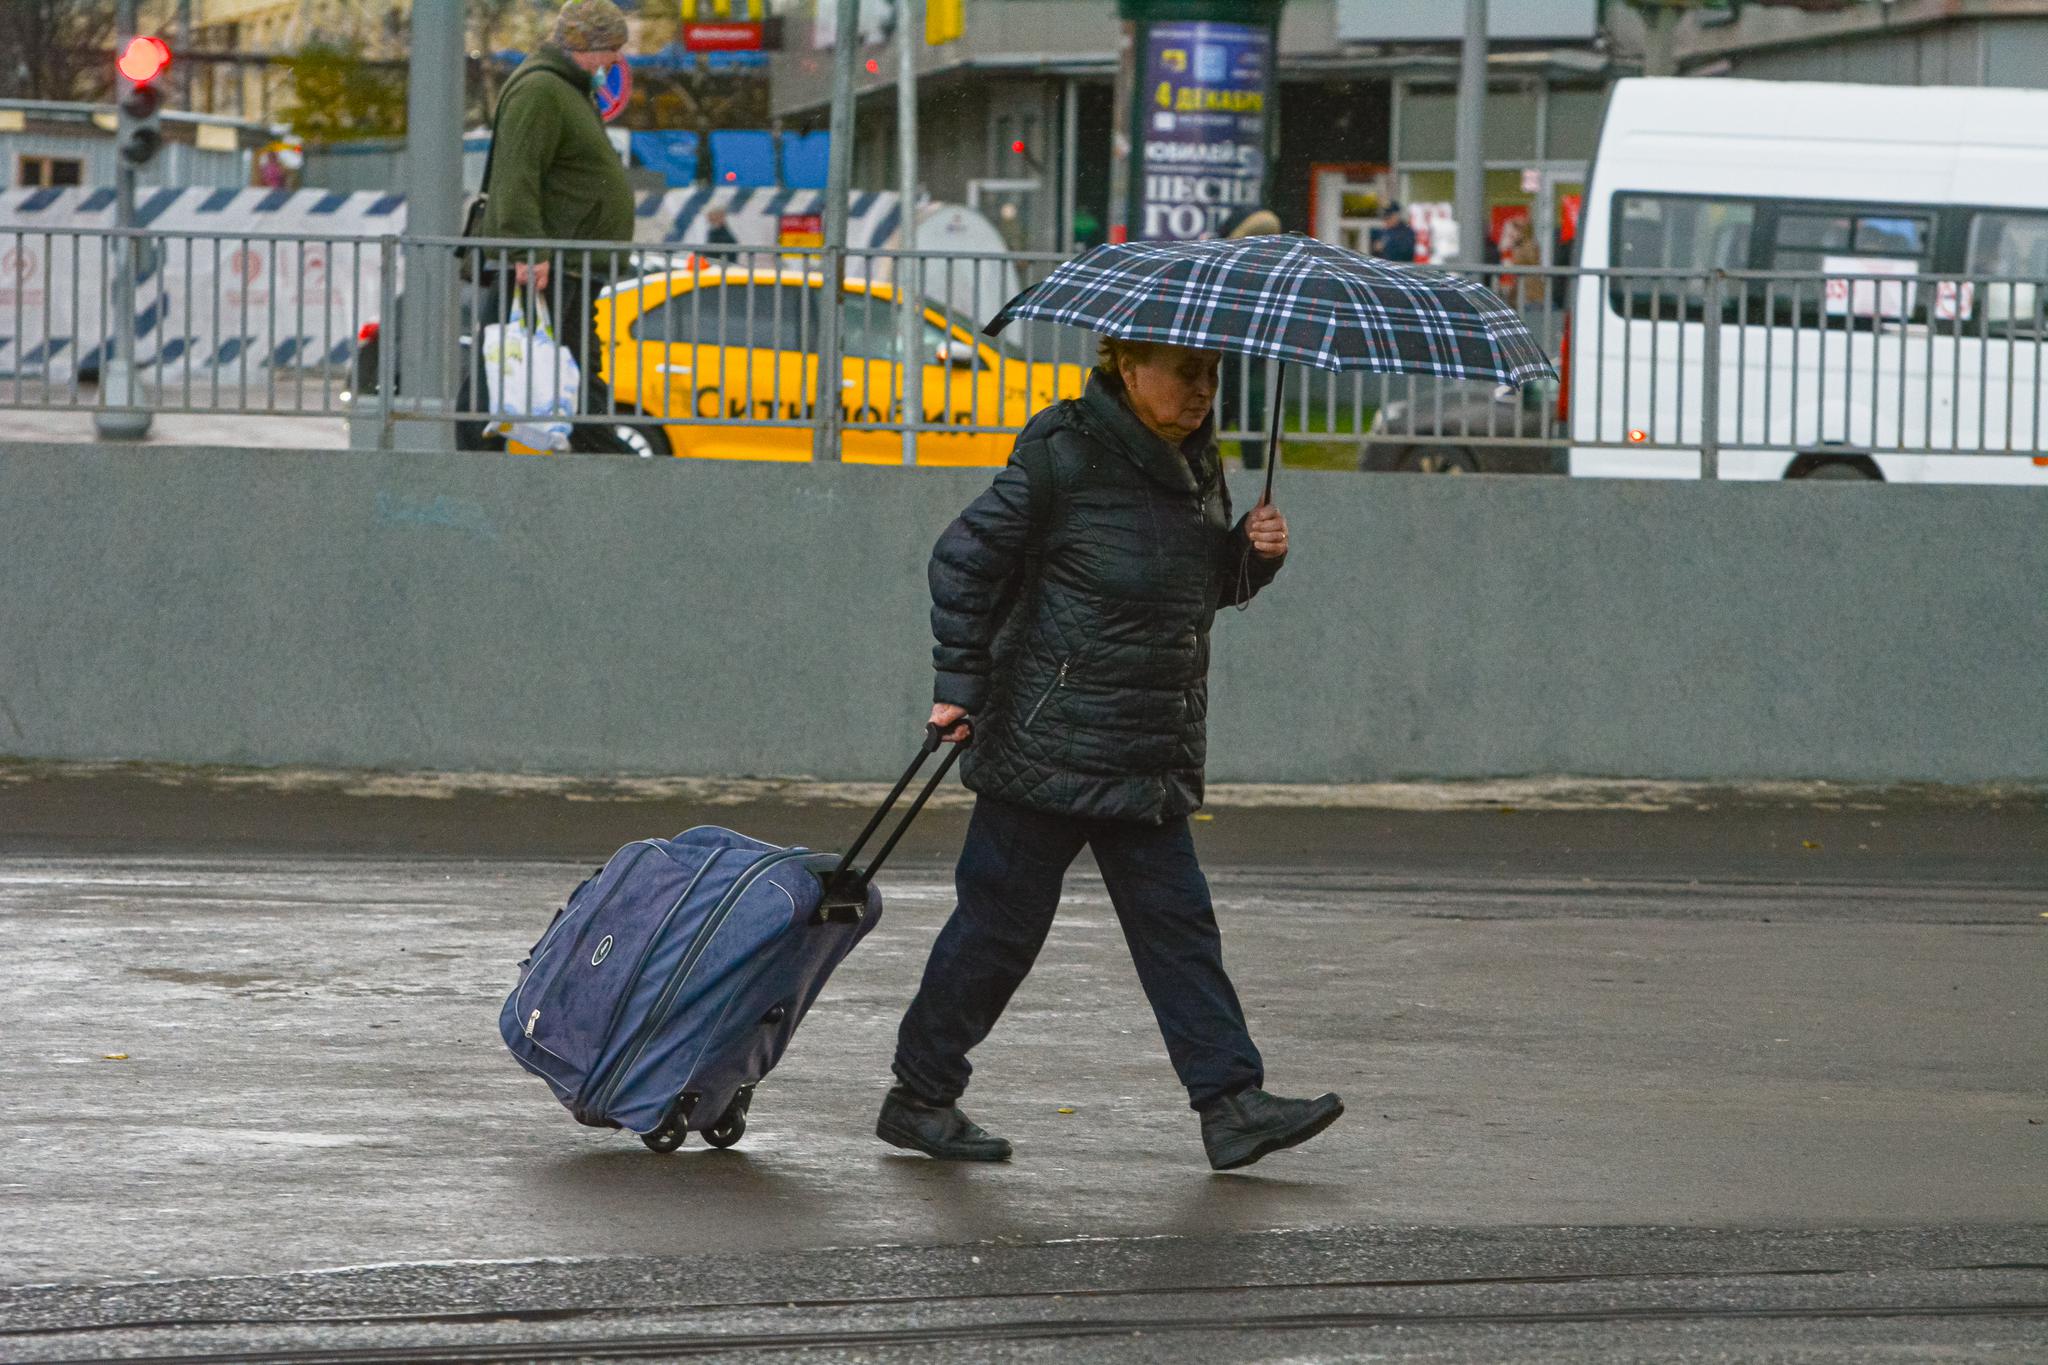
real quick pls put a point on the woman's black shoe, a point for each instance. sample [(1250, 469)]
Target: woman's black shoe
[(938, 1130), (1239, 1129)]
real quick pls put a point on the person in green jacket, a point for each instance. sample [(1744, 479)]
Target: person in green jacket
[(554, 174)]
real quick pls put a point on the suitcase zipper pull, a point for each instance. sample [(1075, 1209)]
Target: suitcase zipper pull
[(531, 1020)]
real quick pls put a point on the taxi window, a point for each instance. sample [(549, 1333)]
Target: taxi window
[(762, 315), (871, 323)]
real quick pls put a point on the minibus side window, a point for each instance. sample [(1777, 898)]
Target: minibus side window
[(2005, 244), (1661, 232)]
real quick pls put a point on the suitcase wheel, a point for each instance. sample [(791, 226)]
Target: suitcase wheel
[(675, 1126), (666, 1138), (732, 1125)]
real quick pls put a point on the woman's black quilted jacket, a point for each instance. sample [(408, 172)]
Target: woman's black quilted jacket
[(1072, 603)]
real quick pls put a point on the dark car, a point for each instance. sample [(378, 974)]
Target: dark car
[(1465, 428)]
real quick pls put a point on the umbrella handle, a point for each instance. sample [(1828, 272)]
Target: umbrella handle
[(1273, 446), (1244, 564)]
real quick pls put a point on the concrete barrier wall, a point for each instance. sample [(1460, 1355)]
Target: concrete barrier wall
[(475, 612)]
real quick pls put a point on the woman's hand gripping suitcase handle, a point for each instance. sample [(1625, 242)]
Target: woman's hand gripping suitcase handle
[(949, 724), (846, 889)]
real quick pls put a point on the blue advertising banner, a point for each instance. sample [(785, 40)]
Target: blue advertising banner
[(1204, 100)]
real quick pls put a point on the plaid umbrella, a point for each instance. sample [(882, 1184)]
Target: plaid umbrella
[(1288, 297), (1292, 298)]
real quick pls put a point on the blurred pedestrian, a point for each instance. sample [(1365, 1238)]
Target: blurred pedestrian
[(717, 232), (1395, 240), (1072, 603), (555, 175), (1243, 399)]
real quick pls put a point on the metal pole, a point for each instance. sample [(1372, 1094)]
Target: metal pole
[(838, 186), (433, 204), (1070, 156), (1471, 147), (909, 272), (190, 71), (117, 370)]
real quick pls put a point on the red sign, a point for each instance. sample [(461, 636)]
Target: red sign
[(800, 229), (721, 37)]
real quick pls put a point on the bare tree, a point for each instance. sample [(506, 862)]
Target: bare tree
[(57, 49)]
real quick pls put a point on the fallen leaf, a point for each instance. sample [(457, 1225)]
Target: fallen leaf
[(1204, 816), (1507, 810), (1066, 1111), (1808, 843), (114, 1057)]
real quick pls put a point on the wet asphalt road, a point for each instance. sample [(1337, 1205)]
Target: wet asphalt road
[(1622, 1085)]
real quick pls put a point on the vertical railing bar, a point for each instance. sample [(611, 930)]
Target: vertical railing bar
[(1678, 305), (387, 336), (2034, 428), (1934, 330), (1820, 401), (1628, 339), (1710, 379), (270, 327), (1770, 347), (2011, 360), (1955, 407), (1983, 379), (1741, 363)]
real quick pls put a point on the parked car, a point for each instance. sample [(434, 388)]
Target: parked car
[(1464, 428)]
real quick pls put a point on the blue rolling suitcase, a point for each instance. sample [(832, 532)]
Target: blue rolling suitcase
[(673, 979)]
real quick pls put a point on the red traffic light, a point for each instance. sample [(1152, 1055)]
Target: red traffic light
[(144, 59), (874, 67), (1018, 146)]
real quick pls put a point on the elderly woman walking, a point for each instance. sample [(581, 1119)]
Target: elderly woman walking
[(1072, 604)]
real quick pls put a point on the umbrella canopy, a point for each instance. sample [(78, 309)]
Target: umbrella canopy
[(1292, 298)]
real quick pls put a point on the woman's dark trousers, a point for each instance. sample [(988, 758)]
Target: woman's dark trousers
[(1009, 879)]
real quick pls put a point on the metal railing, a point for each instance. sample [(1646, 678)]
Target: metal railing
[(714, 351)]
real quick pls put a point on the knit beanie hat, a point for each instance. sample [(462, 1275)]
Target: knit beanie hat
[(590, 26)]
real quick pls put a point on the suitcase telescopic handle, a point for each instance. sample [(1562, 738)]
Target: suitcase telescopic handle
[(932, 743)]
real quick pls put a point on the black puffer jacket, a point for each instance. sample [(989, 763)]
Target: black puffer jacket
[(1072, 603)]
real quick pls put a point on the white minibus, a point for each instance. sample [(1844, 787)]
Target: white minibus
[(1875, 257)]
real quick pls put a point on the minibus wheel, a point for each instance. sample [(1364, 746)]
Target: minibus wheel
[(1857, 467)]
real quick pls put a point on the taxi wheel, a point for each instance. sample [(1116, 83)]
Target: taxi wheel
[(645, 441)]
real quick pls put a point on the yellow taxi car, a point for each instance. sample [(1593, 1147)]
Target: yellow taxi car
[(721, 353)]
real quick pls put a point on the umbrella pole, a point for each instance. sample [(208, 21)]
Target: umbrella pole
[(1273, 446)]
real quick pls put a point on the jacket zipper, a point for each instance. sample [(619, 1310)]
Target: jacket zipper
[(1059, 680), (662, 1004)]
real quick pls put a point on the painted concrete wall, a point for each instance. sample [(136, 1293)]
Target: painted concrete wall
[(601, 616)]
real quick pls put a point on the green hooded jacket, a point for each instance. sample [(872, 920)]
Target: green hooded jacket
[(554, 173)]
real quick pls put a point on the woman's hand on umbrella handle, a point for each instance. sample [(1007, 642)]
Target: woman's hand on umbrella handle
[(1267, 531), (951, 723)]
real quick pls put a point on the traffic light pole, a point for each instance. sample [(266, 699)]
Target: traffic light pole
[(825, 433), (1471, 137), (118, 388), (427, 332)]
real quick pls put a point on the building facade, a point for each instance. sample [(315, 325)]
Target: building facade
[(1366, 94)]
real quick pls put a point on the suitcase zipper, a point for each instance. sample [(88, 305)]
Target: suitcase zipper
[(654, 938), (656, 1016), (1059, 681)]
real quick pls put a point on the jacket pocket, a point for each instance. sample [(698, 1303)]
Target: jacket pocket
[(1059, 680)]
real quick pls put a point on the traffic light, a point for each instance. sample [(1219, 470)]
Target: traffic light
[(944, 21), (140, 133)]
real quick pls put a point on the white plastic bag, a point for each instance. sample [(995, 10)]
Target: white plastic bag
[(532, 377)]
